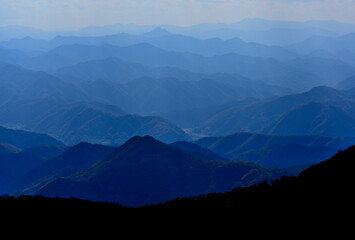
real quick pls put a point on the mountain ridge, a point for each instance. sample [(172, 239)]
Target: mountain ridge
[(144, 170)]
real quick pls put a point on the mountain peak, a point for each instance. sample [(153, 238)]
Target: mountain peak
[(142, 141), (157, 32)]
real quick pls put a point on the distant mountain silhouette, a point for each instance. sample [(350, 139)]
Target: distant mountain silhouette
[(160, 38), (144, 171), (144, 53)]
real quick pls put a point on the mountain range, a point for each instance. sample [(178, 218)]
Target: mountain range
[(96, 123), (286, 72), (141, 115), (162, 39)]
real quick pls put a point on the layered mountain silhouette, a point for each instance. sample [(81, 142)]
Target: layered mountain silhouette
[(141, 115), (146, 171), (269, 69), (127, 85), (160, 38), (91, 122)]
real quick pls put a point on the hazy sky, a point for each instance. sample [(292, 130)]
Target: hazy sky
[(79, 13)]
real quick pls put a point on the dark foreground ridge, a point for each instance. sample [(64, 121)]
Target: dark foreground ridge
[(327, 187)]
